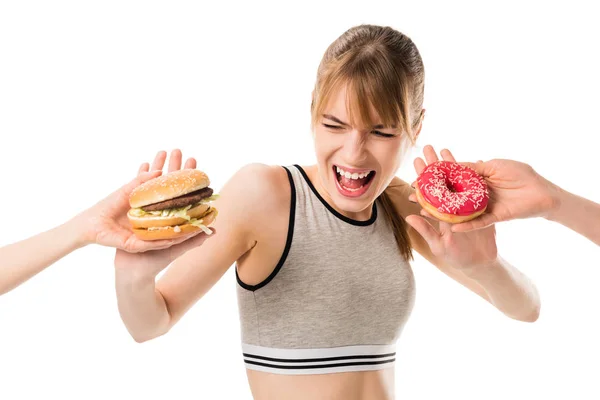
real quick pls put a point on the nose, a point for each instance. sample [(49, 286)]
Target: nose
[(355, 152)]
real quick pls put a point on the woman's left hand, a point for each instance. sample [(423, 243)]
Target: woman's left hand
[(465, 251)]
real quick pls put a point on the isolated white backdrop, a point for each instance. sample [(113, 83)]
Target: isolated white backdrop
[(89, 90)]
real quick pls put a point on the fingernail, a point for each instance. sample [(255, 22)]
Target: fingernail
[(412, 201)]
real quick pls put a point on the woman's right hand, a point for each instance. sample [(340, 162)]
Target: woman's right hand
[(150, 263), (516, 191)]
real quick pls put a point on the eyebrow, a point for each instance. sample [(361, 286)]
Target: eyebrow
[(334, 119)]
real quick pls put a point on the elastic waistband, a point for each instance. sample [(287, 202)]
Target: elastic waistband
[(319, 361)]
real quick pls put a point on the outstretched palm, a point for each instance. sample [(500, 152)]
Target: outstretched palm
[(108, 222), (155, 261), (459, 250)]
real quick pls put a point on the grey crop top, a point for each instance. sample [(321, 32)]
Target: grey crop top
[(336, 301)]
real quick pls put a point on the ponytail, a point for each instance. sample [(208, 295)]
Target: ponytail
[(398, 224)]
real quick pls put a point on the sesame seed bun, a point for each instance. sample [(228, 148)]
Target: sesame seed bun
[(168, 186), (151, 225)]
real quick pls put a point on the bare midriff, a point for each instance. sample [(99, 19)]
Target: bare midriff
[(364, 385)]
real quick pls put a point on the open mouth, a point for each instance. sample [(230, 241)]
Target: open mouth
[(353, 184)]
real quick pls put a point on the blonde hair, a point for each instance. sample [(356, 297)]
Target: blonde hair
[(382, 69)]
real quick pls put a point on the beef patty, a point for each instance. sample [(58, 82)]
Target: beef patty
[(181, 201)]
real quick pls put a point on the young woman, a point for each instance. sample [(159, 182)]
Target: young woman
[(322, 252), (105, 224)]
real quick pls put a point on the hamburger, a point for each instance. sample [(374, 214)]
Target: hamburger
[(172, 205)]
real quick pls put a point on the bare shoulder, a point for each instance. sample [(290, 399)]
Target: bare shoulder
[(258, 185), (254, 192), (246, 206)]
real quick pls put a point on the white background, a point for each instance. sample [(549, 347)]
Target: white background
[(89, 90)]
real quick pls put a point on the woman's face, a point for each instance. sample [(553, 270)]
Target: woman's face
[(355, 164)]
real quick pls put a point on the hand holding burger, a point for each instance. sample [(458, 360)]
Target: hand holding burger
[(172, 205)]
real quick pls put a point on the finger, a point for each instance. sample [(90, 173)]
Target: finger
[(442, 227), (149, 245), (190, 163), (480, 222), (426, 214), (419, 165), (412, 198), (425, 229), (141, 246), (182, 239), (159, 160), (175, 160), (430, 155), (447, 155), (482, 168), (186, 246), (143, 168), (162, 244)]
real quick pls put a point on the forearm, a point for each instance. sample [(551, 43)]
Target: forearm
[(22, 260), (579, 214), (141, 306), (508, 289)]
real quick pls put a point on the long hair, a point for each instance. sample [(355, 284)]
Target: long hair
[(383, 69)]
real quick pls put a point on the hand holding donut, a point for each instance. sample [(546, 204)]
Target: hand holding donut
[(459, 250), (517, 191), (451, 192)]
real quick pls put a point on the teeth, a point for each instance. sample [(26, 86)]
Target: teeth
[(351, 189), (348, 175)]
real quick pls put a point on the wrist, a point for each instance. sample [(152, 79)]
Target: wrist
[(484, 271), (134, 277), (73, 231), (560, 199)]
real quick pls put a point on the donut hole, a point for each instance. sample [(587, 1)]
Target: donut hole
[(455, 187)]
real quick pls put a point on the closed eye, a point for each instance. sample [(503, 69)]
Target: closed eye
[(376, 133), (387, 135)]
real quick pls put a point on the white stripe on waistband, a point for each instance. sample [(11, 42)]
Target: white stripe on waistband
[(318, 361), (375, 349)]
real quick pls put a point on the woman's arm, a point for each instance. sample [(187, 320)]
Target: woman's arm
[(578, 214), (508, 289), (22, 260), (470, 258), (498, 282), (104, 223), (148, 308), (520, 192)]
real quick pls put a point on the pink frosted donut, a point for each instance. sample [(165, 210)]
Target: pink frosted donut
[(452, 192)]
